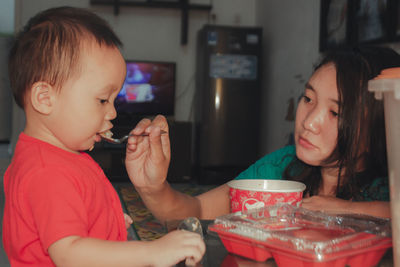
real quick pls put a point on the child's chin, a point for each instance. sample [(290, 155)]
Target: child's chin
[(97, 138)]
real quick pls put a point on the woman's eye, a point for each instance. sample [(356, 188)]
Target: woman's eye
[(334, 113), (306, 99), (103, 101)]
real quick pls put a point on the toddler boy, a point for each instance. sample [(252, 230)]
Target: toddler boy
[(60, 209)]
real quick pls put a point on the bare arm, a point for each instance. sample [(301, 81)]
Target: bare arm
[(147, 160), (373, 208), (336, 205), (169, 204), (169, 250)]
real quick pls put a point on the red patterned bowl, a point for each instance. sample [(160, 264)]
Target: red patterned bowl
[(257, 193)]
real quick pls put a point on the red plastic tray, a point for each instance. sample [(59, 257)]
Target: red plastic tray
[(285, 255)]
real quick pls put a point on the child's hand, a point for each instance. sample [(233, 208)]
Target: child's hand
[(147, 158), (178, 246), (128, 220)]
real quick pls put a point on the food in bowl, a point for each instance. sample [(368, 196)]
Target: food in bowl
[(250, 194)]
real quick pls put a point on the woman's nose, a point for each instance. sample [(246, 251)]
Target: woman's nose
[(313, 121)]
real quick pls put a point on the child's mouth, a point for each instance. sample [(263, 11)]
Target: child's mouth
[(106, 134), (99, 136)]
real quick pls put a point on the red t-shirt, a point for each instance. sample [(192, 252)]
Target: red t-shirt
[(50, 194)]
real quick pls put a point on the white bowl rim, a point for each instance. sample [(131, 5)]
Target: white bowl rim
[(261, 184)]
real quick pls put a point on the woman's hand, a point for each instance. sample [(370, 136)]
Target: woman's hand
[(327, 204), (336, 205), (147, 157)]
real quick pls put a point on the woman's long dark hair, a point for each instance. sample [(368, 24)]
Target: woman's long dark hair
[(361, 125)]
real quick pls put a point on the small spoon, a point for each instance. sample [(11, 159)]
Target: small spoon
[(124, 138), (191, 224)]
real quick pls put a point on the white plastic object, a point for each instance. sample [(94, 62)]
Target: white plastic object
[(387, 87)]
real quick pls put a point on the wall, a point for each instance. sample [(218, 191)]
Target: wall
[(6, 30), (7, 16), (5, 92), (290, 39)]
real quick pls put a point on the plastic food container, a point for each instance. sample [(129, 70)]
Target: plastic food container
[(297, 237), (387, 87), (249, 194)]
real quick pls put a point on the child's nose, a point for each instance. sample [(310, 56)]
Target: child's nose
[(111, 114)]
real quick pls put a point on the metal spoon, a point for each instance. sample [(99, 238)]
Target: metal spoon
[(124, 138), (191, 224)]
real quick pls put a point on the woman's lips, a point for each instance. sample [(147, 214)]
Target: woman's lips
[(305, 143)]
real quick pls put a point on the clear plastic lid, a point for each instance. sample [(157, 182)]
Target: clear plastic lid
[(291, 229)]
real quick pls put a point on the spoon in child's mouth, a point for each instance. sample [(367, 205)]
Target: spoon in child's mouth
[(107, 136)]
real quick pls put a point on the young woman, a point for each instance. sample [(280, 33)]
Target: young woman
[(339, 152)]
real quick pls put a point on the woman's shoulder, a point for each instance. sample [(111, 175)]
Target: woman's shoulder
[(270, 166)]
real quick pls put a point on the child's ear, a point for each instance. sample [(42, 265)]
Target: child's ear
[(42, 97)]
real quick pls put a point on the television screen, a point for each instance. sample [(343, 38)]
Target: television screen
[(149, 89)]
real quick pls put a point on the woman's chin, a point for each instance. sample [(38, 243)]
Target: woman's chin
[(308, 158)]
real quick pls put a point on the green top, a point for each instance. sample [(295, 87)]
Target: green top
[(273, 165)]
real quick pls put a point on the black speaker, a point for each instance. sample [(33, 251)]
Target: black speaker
[(180, 168)]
